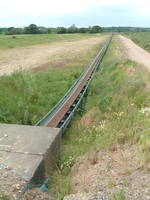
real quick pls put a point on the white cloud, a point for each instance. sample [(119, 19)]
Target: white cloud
[(57, 7)]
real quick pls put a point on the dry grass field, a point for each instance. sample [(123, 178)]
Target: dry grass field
[(58, 53)]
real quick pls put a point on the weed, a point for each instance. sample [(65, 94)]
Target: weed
[(144, 146), (60, 186), (66, 165), (121, 195), (125, 180), (110, 183), (4, 197), (109, 165), (127, 172), (93, 158)]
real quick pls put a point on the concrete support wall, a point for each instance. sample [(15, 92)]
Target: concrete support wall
[(29, 151)]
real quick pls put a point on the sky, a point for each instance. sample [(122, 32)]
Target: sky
[(82, 13)]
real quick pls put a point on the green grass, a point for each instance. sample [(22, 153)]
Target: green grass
[(4, 197), (7, 42), (118, 98), (142, 39), (121, 195)]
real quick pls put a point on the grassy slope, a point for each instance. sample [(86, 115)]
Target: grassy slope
[(142, 39), (7, 42), (118, 98), (26, 97)]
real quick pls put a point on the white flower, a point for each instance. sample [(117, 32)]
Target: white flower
[(145, 111)]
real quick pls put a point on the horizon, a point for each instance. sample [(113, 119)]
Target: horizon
[(80, 26)]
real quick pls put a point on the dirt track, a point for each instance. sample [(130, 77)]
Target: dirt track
[(40, 55), (136, 53)]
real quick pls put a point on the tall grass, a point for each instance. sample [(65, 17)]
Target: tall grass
[(4, 197), (26, 97), (142, 39)]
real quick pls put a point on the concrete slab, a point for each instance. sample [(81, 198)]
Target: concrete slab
[(29, 151)]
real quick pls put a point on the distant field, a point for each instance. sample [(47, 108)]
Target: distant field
[(45, 51), (142, 39), (7, 42)]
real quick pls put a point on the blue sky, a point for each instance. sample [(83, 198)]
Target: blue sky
[(53, 13)]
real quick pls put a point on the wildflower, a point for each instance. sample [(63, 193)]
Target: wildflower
[(145, 111), (121, 113), (61, 166)]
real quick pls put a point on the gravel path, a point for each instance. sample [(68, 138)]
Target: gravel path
[(136, 53)]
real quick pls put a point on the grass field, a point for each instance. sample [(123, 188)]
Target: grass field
[(118, 104), (7, 42), (25, 97), (142, 39)]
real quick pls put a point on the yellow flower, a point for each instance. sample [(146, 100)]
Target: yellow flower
[(121, 113)]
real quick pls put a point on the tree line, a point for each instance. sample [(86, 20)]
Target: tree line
[(34, 29)]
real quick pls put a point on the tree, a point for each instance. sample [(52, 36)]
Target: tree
[(82, 30), (72, 29), (61, 30), (14, 31), (10, 28), (49, 30), (96, 29), (32, 29)]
